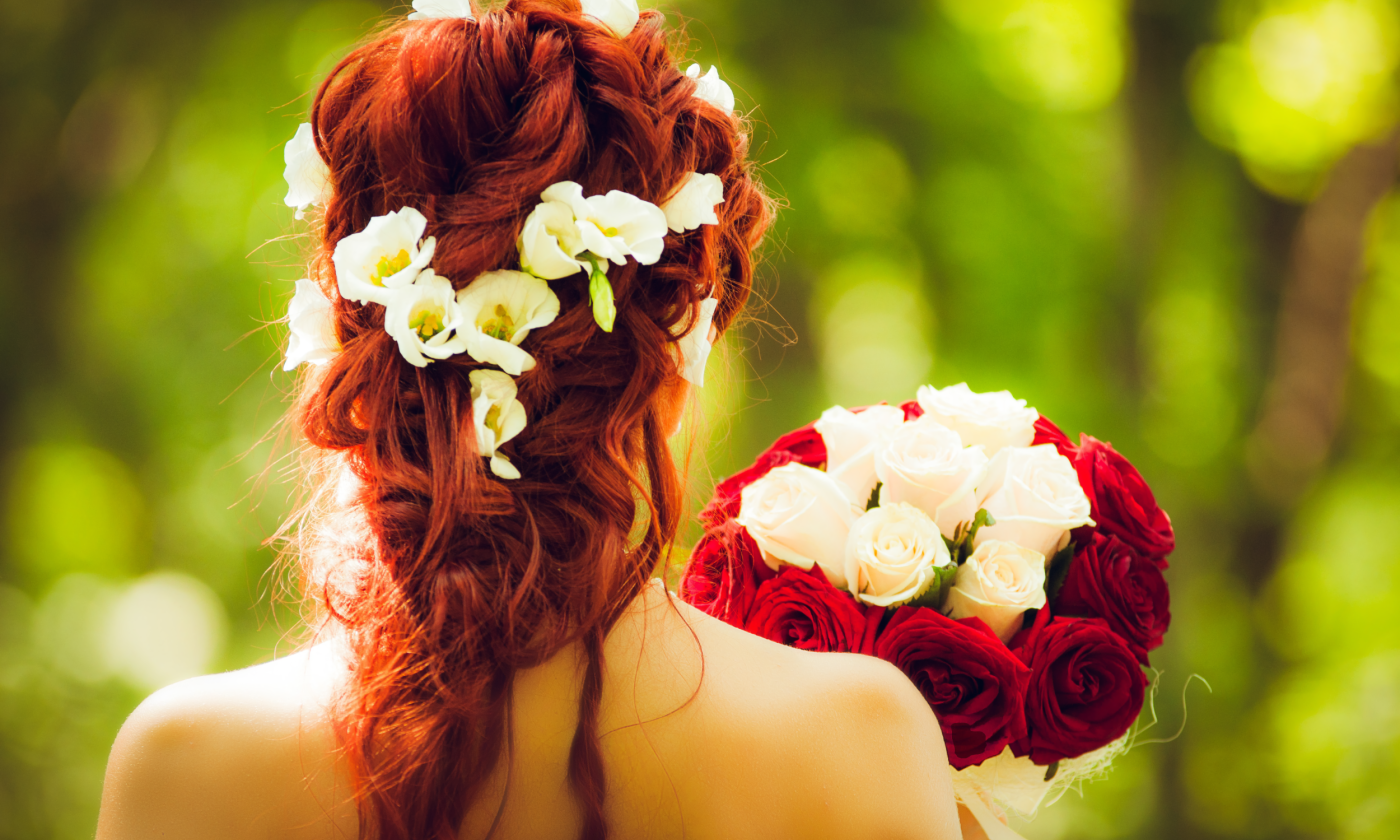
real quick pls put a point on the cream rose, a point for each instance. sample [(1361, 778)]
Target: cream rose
[(851, 440), (994, 420), (925, 464), (1035, 497), (998, 583), (799, 516), (891, 554)]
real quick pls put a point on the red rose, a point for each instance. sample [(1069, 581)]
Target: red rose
[(1109, 580), (800, 608), (1048, 432), (724, 572), (1122, 502), (912, 410), (804, 446), (1085, 691), (974, 685)]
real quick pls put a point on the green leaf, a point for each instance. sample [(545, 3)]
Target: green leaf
[(1052, 770), (937, 592), (965, 534), (601, 294), (874, 500), (1058, 571)]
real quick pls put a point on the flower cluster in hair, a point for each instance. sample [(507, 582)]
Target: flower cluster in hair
[(389, 263)]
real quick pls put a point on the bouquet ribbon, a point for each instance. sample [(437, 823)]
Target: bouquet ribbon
[(994, 828)]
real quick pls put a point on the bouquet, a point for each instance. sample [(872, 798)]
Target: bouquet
[(1014, 576)]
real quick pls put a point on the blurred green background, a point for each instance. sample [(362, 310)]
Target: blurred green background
[(1167, 222)]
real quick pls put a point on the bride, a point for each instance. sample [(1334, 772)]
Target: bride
[(490, 420)]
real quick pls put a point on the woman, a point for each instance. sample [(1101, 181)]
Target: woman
[(494, 658)]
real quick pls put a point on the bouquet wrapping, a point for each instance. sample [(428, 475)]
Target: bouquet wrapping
[(1013, 575)]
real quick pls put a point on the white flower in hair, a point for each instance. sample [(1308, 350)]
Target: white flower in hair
[(311, 318), (385, 256), (428, 9), (308, 177), (550, 242), (498, 310), (425, 320), (620, 16), (569, 233), (694, 203), (711, 88), (614, 226), (694, 347), (498, 417)]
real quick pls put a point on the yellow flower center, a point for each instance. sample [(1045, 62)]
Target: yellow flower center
[(389, 266), (426, 322), (493, 418), (500, 325), (610, 232)]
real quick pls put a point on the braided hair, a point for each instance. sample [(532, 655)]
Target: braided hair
[(445, 580)]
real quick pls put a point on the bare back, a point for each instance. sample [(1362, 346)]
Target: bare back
[(707, 732)]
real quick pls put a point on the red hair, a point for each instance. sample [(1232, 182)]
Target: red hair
[(461, 579)]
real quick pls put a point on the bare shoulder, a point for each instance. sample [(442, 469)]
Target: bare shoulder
[(858, 750), (225, 756), (878, 766)]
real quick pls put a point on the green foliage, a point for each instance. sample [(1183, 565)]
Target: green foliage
[(976, 190)]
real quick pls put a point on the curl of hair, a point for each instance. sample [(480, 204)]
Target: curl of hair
[(445, 580)]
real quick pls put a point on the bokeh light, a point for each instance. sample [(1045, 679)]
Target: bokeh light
[(1298, 84), (1093, 203)]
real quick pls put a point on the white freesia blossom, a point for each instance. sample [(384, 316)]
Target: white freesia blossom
[(693, 347), (498, 417), (428, 9), (620, 16), (694, 203), (498, 310), (385, 256), (308, 177), (613, 226), (311, 318), (994, 420), (711, 88), (851, 441), (425, 320), (926, 464), (997, 584), (1035, 496), (891, 554), (800, 516), (550, 242)]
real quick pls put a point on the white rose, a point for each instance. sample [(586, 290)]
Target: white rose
[(498, 310), (620, 16), (994, 420), (550, 242), (925, 464), (498, 417), (385, 256), (1035, 497), (425, 320), (711, 88), (311, 318), (998, 583), (851, 440), (694, 203), (428, 9), (891, 554), (308, 178), (799, 516), (614, 226), (693, 347)]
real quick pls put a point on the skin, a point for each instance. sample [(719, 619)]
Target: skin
[(707, 732)]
